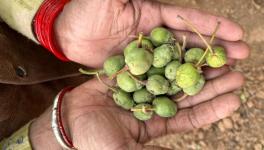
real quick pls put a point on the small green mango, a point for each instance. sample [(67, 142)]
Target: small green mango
[(157, 85), (193, 90), (126, 83), (123, 99), (113, 64), (187, 75), (142, 96), (162, 55), (146, 44), (164, 107), (218, 58), (160, 35), (139, 61), (173, 89), (193, 55), (143, 116), (171, 69), (158, 71)]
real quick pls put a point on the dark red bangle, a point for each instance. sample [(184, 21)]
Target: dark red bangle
[(66, 139), (43, 25)]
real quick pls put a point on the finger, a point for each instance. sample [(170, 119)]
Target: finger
[(211, 73), (195, 117), (231, 62), (95, 84), (235, 50), (227, 83), (203, 21), (149, 19), (203, 114), (150, 147)]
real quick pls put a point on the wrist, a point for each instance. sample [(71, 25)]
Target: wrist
[(60, 35), (41, 134), (44, 22)]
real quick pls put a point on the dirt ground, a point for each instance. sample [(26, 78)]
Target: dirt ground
[(244, 130)]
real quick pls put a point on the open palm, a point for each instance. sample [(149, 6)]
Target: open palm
[(90, 31), (95, 122)]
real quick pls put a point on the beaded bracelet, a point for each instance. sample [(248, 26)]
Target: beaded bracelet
[(56, 121)]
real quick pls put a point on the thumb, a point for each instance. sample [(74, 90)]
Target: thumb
[(151, 147)]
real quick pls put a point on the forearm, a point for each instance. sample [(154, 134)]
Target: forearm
[(37, 135), (18, 14), (18, 140), (41, 134)]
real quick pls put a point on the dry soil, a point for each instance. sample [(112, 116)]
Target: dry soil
[(244, 130)]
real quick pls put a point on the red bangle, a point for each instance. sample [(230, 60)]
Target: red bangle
[(57, 123), (43, 25), (61, 127)]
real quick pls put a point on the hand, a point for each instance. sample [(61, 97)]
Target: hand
[(90, 31), (95, 122)]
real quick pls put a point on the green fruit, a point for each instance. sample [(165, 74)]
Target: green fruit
[(218, 58), (193, 90), (187, 75), (164, 107), (142, 96), (134, 44), (171, 69), (154, 70), (173, 89), (193, 55), (157, 85), (123, 99), (127, 83), (162, 55), (141, 115), (139, 61), (176, 53), (113, 64), (161, 36)]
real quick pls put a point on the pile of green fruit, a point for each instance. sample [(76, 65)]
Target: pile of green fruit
[(155, 68)]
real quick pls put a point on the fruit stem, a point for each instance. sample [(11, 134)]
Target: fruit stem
[(140, 38), (143, 109), (108, 86), (184, 43), (90, 72), (204, 65), (188, 23), (150, 50), (211, 41), (181, 98), (119, 72), (180, 52), (136, 37), (136, 79)]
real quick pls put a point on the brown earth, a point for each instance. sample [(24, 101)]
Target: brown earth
[(244, 130)]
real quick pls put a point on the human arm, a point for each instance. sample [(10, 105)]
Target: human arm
[(90, 39), (18, 14), (93, 120), (80, 29)]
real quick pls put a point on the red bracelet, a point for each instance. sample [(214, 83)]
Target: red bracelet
[(56, 121), (61, 127), (43, 25)]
